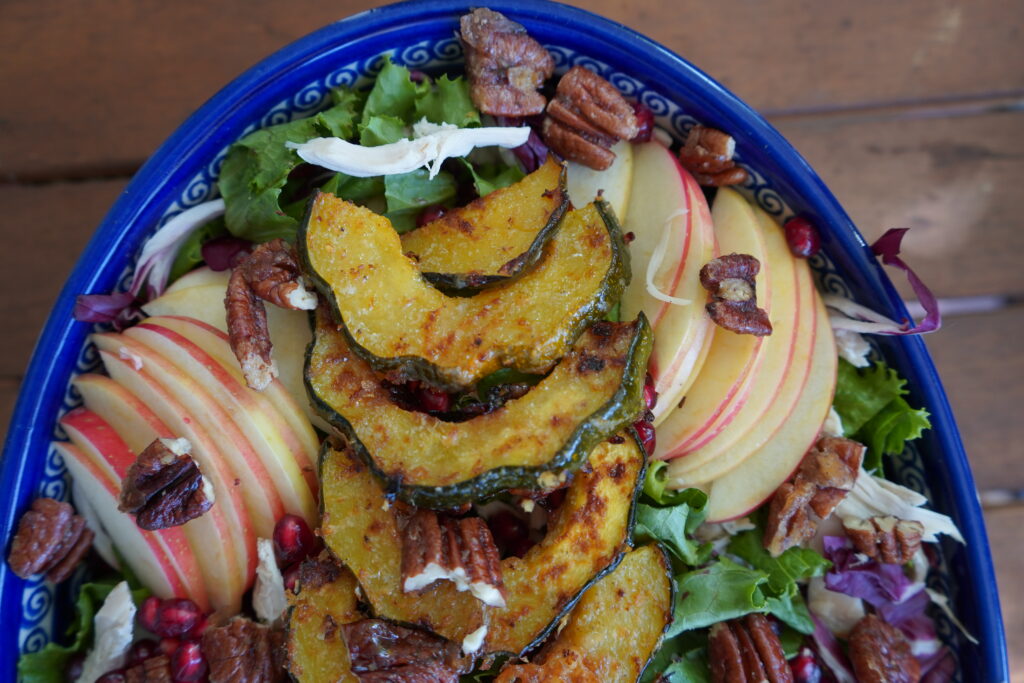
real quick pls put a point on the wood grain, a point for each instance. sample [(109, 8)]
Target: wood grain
[(955, 181), (45, 229), (99, 85)]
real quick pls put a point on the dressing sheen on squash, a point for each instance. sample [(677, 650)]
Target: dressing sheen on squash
[(402, 325), (594, 391), (492, 239), (586, 538)]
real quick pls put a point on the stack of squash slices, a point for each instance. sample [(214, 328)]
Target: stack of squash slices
[(519, 279)]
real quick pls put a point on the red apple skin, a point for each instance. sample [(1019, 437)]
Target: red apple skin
[(293, 460), (143, 552), (228, 539), (257, 487), (98, 440)]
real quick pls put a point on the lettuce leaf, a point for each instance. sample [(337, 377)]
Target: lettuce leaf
[(257, 166), (722, 590), (490, 177), (681, 660), (869, 402), (674, 525), (447, 102), (48, 664), (783, 571)]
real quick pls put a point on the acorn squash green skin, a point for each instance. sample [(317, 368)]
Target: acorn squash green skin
[(622, 352), (361, 530), (468, 284), (468, 360)]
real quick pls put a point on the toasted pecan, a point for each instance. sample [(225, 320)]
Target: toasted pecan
[(880, 653), (826, 474), (747, 649), (436, 547), (733, 306), (164, 487), (888, 539), (50, 538), (708, 155)]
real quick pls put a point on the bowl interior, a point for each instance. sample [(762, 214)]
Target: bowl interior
[(296, 82)]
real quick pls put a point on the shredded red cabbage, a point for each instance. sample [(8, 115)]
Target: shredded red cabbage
[(887, 247), (533, 153), (221, 253), (830, 654), (876, 583), (121, 309)]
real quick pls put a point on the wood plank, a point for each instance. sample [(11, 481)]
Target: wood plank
[(981, 362), (1004, 534), (45, 227), (954, 180), (100, 84), (8, 396)]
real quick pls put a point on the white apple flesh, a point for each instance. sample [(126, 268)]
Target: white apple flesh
[(670, 221), (724, 381), (612, 184)]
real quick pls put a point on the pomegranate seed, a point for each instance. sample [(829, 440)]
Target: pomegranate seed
[(431, 213), (805, 667), (645, 430), (519, 547), (115, 676), (187, 662), (802, 237), (291, 576), (506, 526), (433, 400), (149, 612), (293, 540), (650, 395), (629, 237), (176, 617), (73, 669), (197, 630), (169, 645), (141, 650), (555, 499), (644, 122)]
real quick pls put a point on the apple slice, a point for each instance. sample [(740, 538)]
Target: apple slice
[(200, 277), (289, 330), (788, 318), (288, 464), (779, 408), (142, 552), (98, 441), (613, 184), (244, 464), (215, 343), (670, 220), (746, 487), (222, 539), (724, 381)]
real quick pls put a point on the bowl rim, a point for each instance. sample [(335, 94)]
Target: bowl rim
[(122, 229)]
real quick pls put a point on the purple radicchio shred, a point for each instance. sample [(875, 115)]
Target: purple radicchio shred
[(887, 248), (222, 253), (533, 153), (830, 654), (897, 600), (876, 583), (120, 309)]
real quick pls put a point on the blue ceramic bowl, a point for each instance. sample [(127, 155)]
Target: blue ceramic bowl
[(420, 34)]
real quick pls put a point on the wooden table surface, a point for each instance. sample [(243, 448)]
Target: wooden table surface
[(911, 111)]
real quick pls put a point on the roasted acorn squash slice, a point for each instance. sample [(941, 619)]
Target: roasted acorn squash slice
[(315, 648), (593, 392), (615, 628), (585, 539), (493, 239), (401, 324)]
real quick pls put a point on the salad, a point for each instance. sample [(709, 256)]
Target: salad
[(537, 396)]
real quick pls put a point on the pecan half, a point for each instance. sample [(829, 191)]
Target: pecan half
[(733, 306), (243, 651), (459, 550), (383, 651), (505, 66), (746, 649), (164, 487), (880, 653), (826, 474), (270, 273), (153, 670), (50, 538), (319, 571), (587, 116), (707, 155), (891, 540)]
